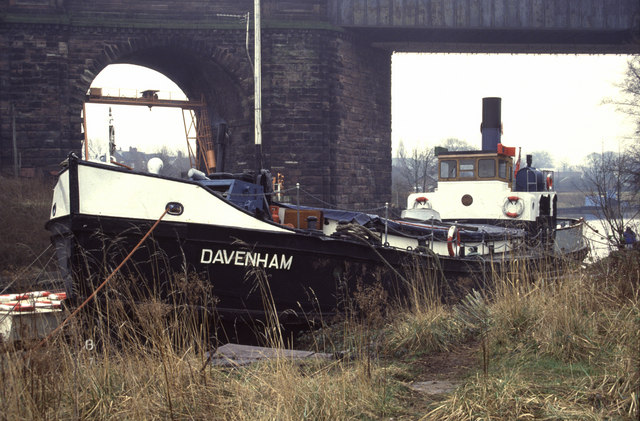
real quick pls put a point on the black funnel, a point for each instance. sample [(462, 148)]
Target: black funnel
[(491, 126)]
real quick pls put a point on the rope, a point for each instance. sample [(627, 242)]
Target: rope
[(27, 268), (335, 206), (362, 233), (64, 322)]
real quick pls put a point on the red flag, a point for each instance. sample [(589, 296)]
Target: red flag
[(518, 163)]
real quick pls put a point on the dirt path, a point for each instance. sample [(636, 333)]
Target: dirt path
[(450, 365), (437, 374)]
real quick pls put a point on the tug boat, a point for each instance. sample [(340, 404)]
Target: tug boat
[(228, 230), (481, 187)]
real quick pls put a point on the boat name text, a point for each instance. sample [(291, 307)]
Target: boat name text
[(246, 258)]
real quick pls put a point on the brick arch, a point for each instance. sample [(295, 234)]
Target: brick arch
[(221, 74)]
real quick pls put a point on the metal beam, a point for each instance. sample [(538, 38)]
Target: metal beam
[(149, 102)]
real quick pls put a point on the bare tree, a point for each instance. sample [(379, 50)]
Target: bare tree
[(629, 103), (417, 167), (455, 144), (610, 188), (542, 159)]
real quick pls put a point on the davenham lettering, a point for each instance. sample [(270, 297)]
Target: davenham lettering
[(246, 258)]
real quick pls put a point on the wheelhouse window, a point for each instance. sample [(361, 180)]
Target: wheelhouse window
[(448, 169), (502, 169), (486, 168), (467, 168)]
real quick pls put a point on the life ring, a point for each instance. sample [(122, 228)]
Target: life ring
[(513, 207), (453, 236), (549, 182)]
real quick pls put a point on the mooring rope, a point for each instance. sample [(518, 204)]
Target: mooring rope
[(75, 312)]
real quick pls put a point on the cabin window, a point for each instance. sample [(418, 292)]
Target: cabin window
[(486, 168), (502, 169), (448, 169), (467, 168)]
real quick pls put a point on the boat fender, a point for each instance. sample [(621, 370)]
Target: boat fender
[(453, 236), (513, 207), (549, 182), (196, 174)]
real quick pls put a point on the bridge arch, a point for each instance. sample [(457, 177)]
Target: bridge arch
[(223, 78)]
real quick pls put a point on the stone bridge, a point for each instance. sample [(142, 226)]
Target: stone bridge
[(326, 70)]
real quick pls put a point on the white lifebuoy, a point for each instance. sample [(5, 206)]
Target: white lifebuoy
[(453, 237), (513, 207)]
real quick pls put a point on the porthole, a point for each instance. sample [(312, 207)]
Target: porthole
[(175, 208)]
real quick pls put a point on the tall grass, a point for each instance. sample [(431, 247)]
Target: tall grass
[(26, 204), (559, 349), (555, 348), (148, 360)]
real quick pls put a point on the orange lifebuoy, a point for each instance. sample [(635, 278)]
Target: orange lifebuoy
[(453, 236)]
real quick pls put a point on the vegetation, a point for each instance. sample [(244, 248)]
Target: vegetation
[(613, 178), (26, 207)]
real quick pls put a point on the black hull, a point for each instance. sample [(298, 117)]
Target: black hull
[(303, 275)]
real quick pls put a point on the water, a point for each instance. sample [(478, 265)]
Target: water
[(598, 241)]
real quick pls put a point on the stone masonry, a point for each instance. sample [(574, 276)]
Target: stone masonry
[(326, 71), (326, 101)]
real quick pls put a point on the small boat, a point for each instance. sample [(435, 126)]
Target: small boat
[(230, 231)]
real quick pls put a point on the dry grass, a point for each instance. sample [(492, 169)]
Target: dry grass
[(148, 361), (563, 349), (26, 204)]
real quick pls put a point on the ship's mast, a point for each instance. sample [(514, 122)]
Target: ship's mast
[(257, 82)]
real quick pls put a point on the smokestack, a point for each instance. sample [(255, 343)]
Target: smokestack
[(491, 126)]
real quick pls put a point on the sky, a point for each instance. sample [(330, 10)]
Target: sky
[(136, 126), (549, 102)]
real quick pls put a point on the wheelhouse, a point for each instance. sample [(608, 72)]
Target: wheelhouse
[(475, 166)]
